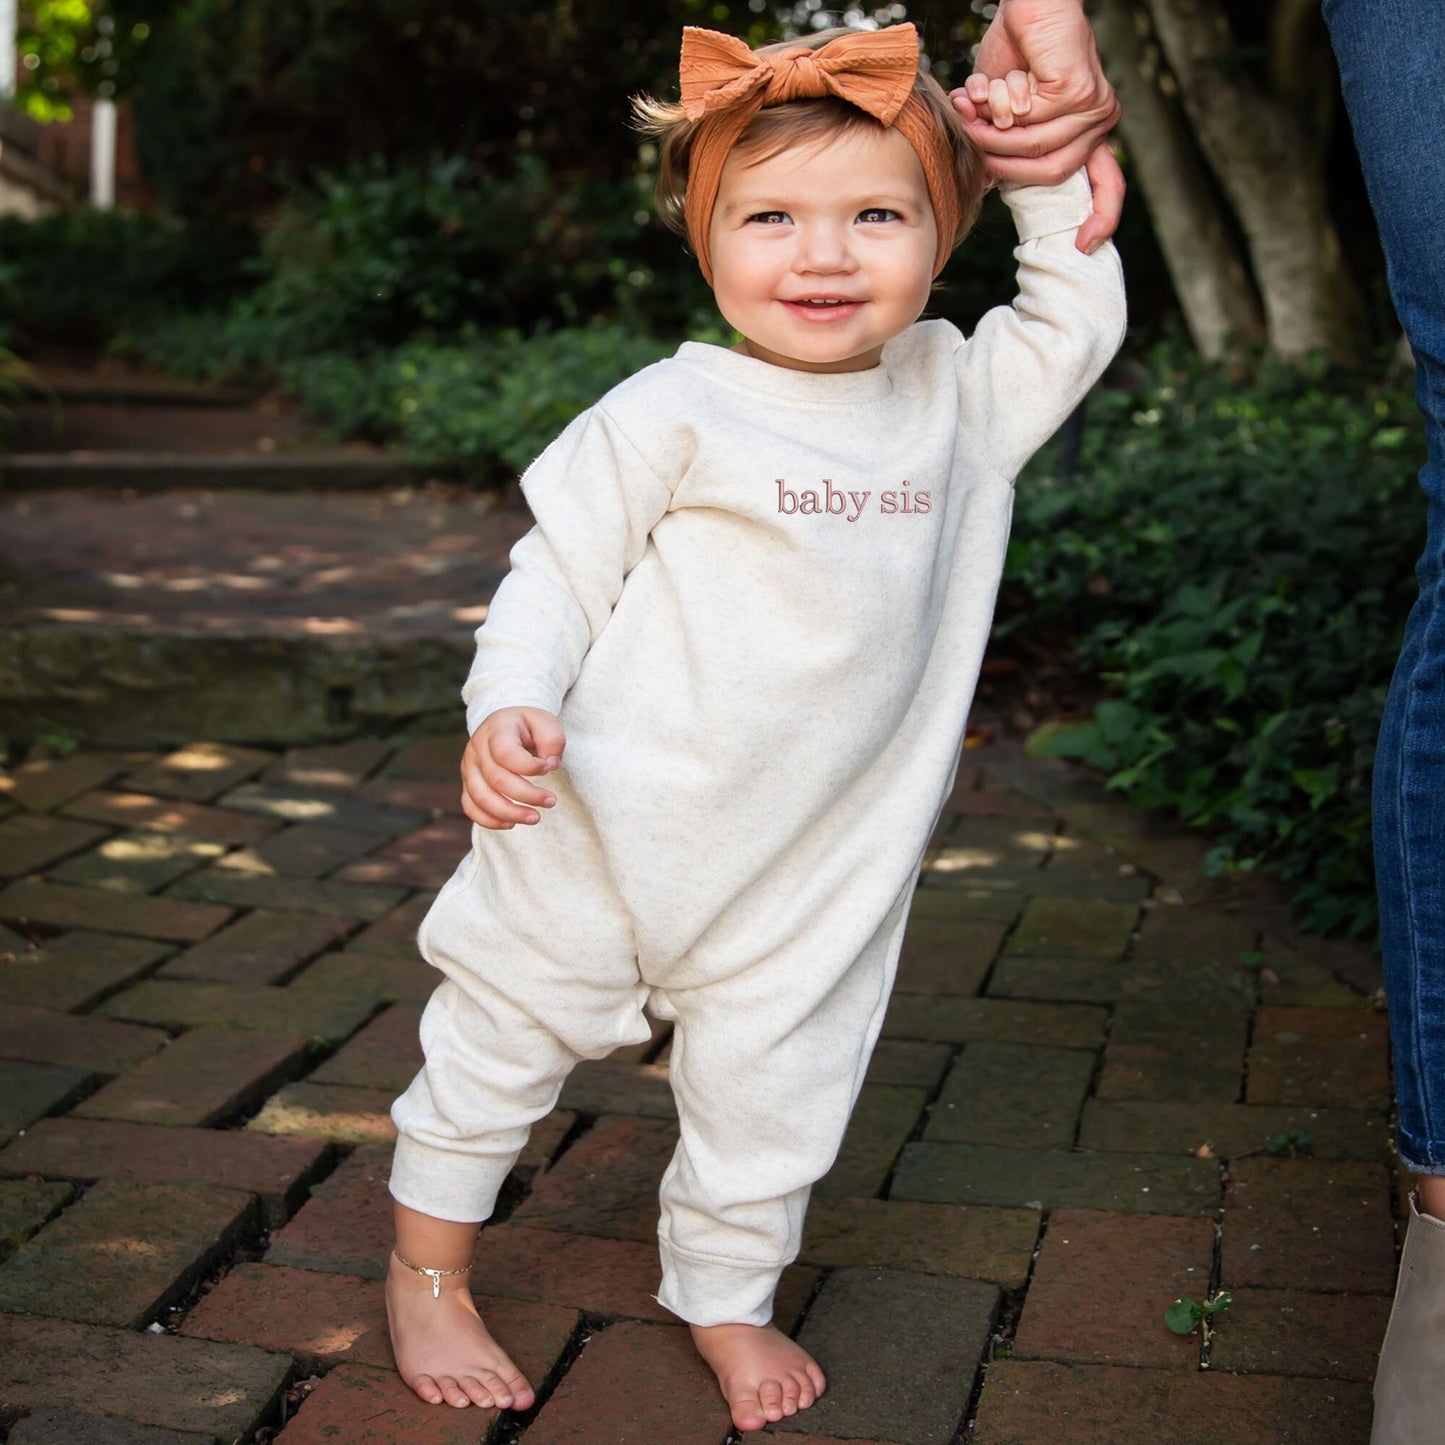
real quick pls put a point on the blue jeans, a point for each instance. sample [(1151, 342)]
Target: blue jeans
[(1392, 66)]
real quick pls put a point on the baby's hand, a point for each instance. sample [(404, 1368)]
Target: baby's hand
[(510, 744), (996, 102)]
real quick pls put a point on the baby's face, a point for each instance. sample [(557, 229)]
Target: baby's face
[(820, 255)]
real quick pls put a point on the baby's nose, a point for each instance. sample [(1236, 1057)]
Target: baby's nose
[(824, 248)]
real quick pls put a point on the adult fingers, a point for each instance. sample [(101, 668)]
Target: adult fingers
[(1020, 92), (1107, 179), (1037, 137)]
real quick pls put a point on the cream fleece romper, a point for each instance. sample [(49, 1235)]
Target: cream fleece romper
[(757, 599)]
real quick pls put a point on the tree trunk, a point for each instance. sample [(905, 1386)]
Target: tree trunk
[(1271, 173), (1210, 277)]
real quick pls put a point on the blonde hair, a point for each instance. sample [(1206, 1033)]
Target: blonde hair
[(777, 128)]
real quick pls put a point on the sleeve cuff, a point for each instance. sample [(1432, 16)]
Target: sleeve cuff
[(1044, 210)]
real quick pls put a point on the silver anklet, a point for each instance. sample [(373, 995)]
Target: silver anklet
[(435, 1275)]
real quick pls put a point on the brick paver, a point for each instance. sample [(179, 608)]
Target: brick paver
[(26, 1205), (62, 905), (136, 863), (182, 1003), (975, 1242), (170, 815), (603, 1385), (31, 841), (263, 889), (48, 1425), (606, 1183), (1019, 1095), (383, 1055), (76, 970), (48, 782), (45, 1036), (1156, 1051), (262, 947), (1028, 1401), (1308, 1224), (1045, 1178), (216, 1390), (204, 1077), (85, 1266), (88, 1149), (1230, 1130), (1319, 1056), (198, 772), (211, 997), (904, 1350), (30, 1091), (1102, 1283)]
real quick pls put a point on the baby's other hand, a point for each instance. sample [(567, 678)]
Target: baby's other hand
[(510, 744)]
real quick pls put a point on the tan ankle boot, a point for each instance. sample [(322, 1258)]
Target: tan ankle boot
[(1410, 1378)]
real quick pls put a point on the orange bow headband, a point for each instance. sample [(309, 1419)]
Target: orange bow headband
[(724, 85)]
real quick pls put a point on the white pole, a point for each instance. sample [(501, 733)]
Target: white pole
[(7, 49), (102, 154)]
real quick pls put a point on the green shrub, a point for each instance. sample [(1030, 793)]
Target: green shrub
[(1235, 557), (484, 407), (80, 276)]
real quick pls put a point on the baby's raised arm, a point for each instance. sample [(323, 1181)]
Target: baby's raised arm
[(1028, 365)]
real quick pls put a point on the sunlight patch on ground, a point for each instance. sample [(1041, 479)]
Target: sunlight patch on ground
[(329, 626)]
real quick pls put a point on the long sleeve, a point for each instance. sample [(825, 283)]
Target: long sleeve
[(594, 499), (1028, 365)]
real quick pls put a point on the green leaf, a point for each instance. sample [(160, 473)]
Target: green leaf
[(1183, 1315)]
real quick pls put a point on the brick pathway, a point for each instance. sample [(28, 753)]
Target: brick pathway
[(209, 995)]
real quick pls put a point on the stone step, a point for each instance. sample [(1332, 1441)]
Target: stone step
[(76, 387), (158, 471), (236, 613)]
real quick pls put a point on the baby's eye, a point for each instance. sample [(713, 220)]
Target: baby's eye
[(769, 218), (877, 213)]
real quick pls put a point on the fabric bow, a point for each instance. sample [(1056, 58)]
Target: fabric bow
[(724, 85), (872, 69)]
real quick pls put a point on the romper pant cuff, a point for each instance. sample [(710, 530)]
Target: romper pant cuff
[(462, 1188), (706, 1291)]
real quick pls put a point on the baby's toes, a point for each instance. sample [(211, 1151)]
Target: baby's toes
[(428, 1389), (503, 1396), (747, 1411), (818, 1380), (770, 1397), (479, 1390), (452, 1391), (793, 1388), (521, 1392)]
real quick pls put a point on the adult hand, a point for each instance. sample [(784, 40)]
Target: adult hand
[(510, 744), (1041, 132)]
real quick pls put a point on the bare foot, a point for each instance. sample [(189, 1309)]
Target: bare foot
[(443, 1349), (762, 1373)]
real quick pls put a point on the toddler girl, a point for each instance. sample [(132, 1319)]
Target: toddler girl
[(752, 610)]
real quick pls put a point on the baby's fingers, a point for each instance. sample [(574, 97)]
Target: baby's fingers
[(498, 797), (1009, 98)]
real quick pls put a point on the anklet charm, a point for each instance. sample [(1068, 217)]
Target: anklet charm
[(435, 1275)]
